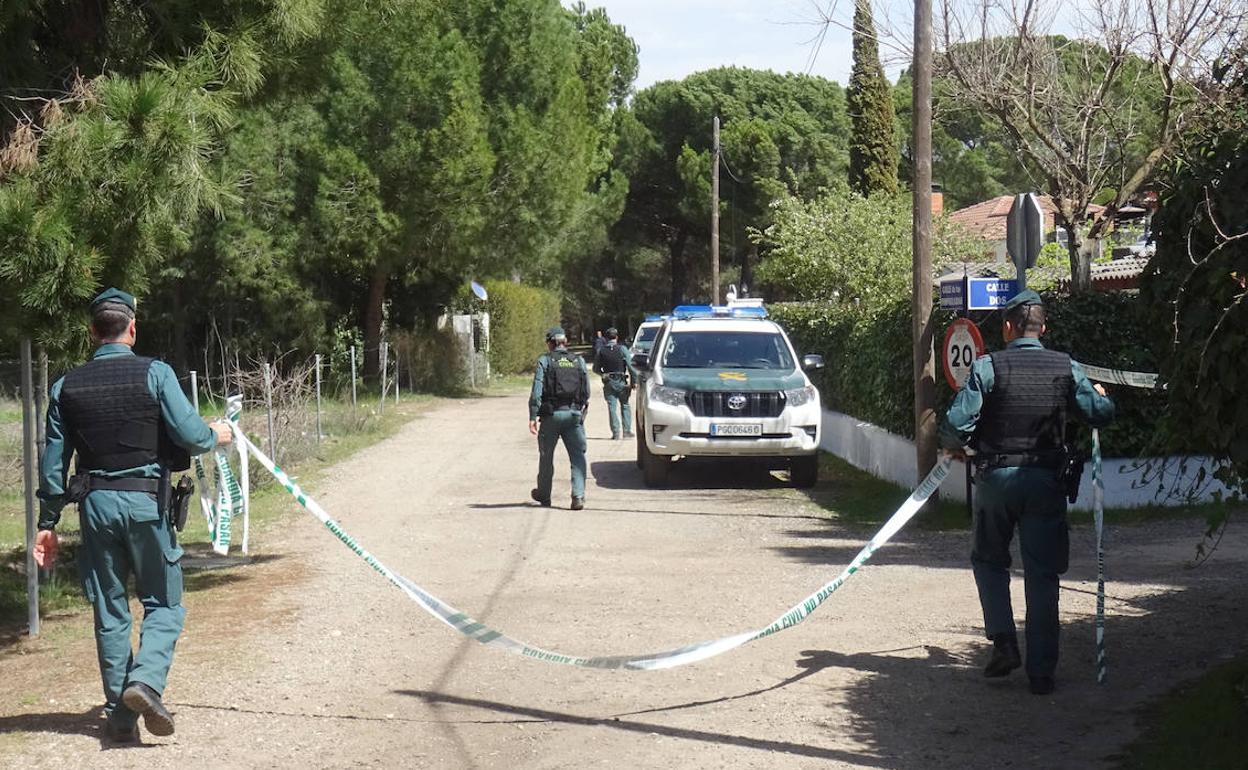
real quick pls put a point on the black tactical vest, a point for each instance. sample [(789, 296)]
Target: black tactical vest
[(1026, 411), (564, 385), (611, 359), (112, 419)]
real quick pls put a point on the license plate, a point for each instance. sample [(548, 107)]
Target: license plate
[(736, 429)]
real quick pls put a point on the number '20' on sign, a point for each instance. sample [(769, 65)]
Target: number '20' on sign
[(963, 344)]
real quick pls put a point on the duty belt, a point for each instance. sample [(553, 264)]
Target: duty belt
[(1049, 460), (125, 485)]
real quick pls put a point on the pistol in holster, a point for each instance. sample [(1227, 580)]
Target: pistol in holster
[(1071, 473), (176, 500)]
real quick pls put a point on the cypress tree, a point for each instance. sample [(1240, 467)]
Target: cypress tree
[(873, 154)]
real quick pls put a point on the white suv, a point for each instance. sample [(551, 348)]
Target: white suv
[(726, 382)]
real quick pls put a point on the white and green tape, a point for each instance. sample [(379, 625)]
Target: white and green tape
[(231, 496), (1144, 380), (679, 656)]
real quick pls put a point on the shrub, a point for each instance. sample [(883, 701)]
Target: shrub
[(519, 318), (430, 361), (870, 372)]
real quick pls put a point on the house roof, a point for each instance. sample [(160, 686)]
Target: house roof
[(987, 219)]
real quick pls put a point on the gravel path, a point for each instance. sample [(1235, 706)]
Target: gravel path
[(308, 658)]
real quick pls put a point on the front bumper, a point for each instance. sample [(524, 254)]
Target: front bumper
[(675, 430)]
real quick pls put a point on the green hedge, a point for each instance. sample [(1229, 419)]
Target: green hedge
[(519, 318), (869, 373)]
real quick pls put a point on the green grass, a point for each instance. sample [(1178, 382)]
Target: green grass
[(855, 496), (1202, 724)]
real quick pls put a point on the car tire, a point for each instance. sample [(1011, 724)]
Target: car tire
[(654, 467), (641, 446), (804, 471)]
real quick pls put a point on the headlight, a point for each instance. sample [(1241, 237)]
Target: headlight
[(669, 396), (801, 396)]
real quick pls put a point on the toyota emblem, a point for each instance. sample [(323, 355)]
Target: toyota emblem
[(737, 402)]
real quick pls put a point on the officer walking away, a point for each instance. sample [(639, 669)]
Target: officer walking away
[(599, 342), (560, 397), (130, 425), (1011, 418), (611, 363)]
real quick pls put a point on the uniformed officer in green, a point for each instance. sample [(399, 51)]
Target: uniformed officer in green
[(129, 423), (560, 397), (611, 362), (1011, 417)]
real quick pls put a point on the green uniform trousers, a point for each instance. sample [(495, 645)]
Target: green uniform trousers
[(123, 533), (1034, 501), (616, 391), (566, 424)]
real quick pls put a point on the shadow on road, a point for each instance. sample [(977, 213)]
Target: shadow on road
[(689, 473)]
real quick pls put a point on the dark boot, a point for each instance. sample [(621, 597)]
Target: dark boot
[(545, 501), (1005, 657), (118, 733), (578, 503), (1041, 685), (142, 699)]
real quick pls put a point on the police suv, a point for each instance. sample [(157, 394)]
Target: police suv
[(725, 382)]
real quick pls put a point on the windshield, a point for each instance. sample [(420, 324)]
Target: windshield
[(647, 334), (726, 350)]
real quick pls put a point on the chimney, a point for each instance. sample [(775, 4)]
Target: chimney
[(938, 200)]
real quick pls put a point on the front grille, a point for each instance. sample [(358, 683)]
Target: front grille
[(715, 404)]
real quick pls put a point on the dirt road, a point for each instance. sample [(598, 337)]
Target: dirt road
[(307, 658)]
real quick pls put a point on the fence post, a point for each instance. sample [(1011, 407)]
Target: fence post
[(195, 390), (396, 378), (28, 474), (41, 400), (268, 405), (318, 400), (353, 376), (385, 362)]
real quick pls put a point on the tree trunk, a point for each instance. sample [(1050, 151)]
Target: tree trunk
[(749, 256), (680, 275), (372, 320), (1080, 262)]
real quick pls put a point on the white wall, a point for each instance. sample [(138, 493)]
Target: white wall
[(1128, 483)]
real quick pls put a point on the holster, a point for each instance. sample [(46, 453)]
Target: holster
[(1071, 473), (180, 502), (77, 487)]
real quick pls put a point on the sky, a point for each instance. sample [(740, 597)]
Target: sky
[(680, 37)]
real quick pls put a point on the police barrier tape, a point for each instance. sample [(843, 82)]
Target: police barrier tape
[(667, 659), (1119, 377), (232, 495), (1146, 381)]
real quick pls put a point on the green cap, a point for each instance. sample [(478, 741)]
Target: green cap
[(613, 333), (555, 332), (113, 296), (1024, 297)]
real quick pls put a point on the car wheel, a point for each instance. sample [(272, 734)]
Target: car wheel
[(641, 445), (804, 471), (654, 467)]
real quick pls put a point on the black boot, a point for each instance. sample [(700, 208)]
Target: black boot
[(578, 503), (545, 501), (142, 699), (1041, 685), (1005, 657), (120, 734)]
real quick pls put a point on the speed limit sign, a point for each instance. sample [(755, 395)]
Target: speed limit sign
[(963, 344)]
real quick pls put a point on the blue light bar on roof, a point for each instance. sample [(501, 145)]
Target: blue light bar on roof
[(653, 318), (719, 311)]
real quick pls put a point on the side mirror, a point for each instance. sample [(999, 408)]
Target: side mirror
[(640, 362), (812, 362)]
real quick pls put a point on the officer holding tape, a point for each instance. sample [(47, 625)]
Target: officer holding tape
[(560, 397), (1011, 417), (129, 423), (611, 362)]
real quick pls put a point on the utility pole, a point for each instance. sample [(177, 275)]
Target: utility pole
[(924, 362), (715, 215)]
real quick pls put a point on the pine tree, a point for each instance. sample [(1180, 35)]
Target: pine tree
[(873, 154)]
